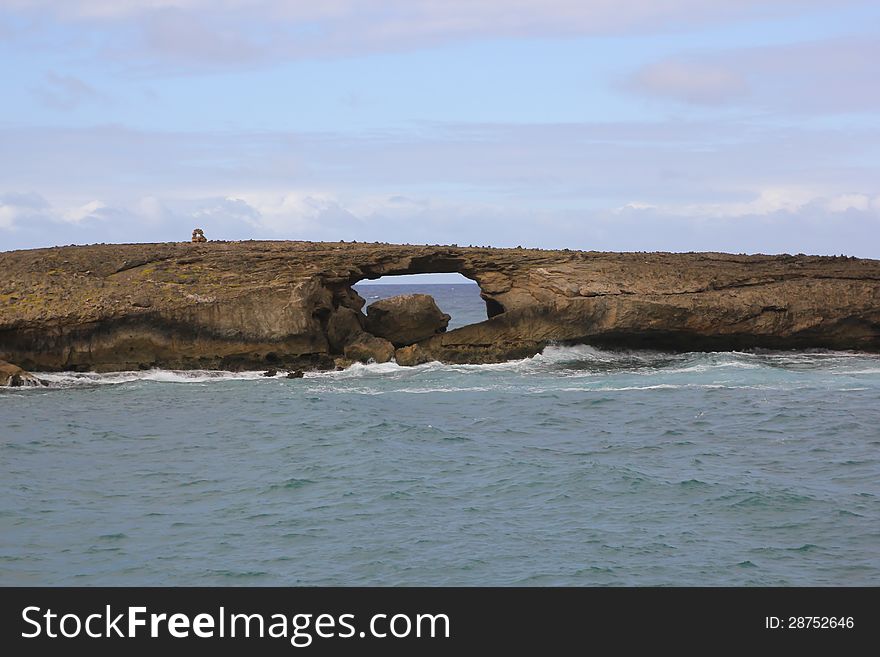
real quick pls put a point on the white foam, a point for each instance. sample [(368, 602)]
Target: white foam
[(573, 362), (363, 390), (422, 391), (64, 379)]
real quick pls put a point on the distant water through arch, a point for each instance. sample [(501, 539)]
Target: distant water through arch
[(456, 295)]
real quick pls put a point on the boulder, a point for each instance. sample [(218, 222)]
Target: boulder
[(368, 348), (406, 319), (343, 327), (13, 376), (409, 356)]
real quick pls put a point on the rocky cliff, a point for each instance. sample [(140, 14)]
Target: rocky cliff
[(290, 304), (12, 376)]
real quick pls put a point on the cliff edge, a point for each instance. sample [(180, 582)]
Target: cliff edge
[(258, 304)]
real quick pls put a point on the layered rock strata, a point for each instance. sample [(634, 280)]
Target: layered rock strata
[(291, 305)]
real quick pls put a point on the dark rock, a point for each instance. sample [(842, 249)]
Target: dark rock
[(348, 298), (13, 376), (296, 374), (343, 327), (406, 319), (270, 372), (368, 348)]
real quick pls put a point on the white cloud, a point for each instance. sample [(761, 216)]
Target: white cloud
[(767, 202), (773, 221), (8, 215), (90, 210), (231, 33), (844, 202), (693, 82), (577, 185), (830, 76), (18, 207), (64, 92), (229, 209), (535, 166), (452, 13), (151, 210), (304, 213), (636, 206)]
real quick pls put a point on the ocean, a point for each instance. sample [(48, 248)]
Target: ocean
[(577, 467)]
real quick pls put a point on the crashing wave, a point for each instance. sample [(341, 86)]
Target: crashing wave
[(578, 361)]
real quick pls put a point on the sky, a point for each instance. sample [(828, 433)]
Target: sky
[(745, 126)]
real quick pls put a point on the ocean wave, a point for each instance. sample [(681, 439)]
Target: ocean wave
[(69, 379), (572, 362)]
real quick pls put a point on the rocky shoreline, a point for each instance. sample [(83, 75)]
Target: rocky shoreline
[(290, 305), (12, 376)]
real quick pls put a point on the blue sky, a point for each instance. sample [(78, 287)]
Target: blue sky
[(732, 125)]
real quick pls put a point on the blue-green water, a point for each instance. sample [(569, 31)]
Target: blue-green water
[(462, 302), (576, 467)]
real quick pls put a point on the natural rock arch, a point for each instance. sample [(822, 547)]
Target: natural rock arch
[(233, 304), (436, 263)]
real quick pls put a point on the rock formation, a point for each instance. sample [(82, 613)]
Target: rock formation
[(13, 376), (343, 327), (406, 319), (291, 305), (367, 348), (198, 236)]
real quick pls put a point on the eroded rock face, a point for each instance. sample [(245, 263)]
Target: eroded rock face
[(13, 376), (368, 348), (406, 319), (343, 327), (412, 355), (291, 305)]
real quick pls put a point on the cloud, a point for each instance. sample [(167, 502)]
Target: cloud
[(587, 164), (633, 185), (64, 92), (16, 207), (228, 209), (235, 33), (690, 81), (860, 202), (173, 36), (811, 230), (775, 221), (829, 76), (766, 202), (93, 210)]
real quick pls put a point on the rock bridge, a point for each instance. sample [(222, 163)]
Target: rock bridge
[(248, 304)]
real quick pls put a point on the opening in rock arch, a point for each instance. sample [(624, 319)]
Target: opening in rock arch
[(457, 296)]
